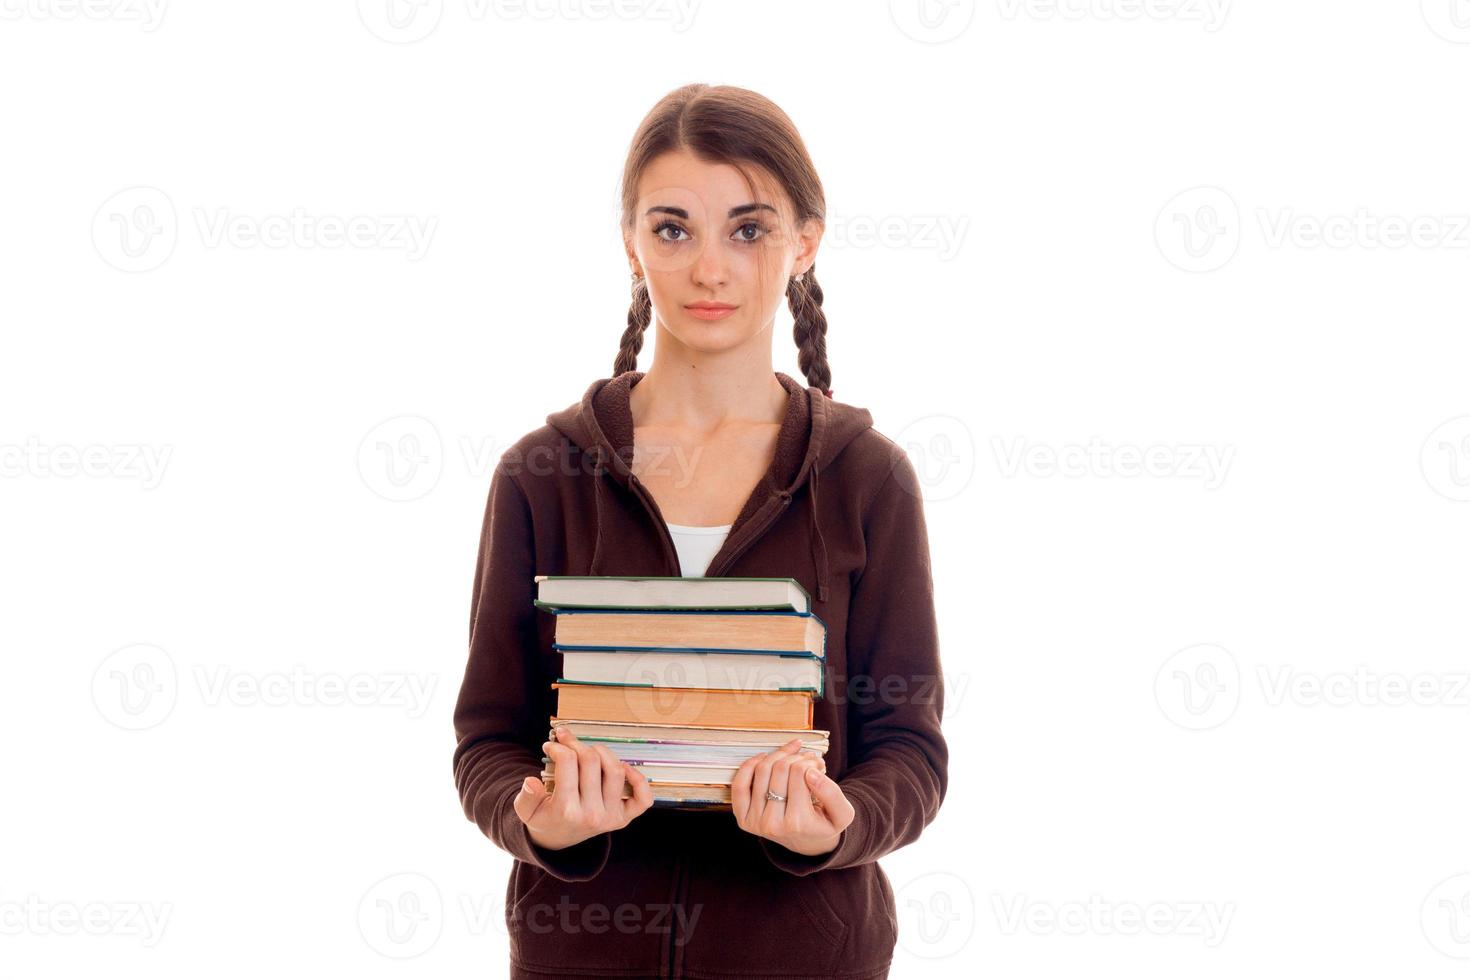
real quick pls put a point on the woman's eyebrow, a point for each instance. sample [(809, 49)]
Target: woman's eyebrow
[(734, 212)]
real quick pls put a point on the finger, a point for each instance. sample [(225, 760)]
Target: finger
[(799, 798), (589, 768), (740, 792), (776, 810), (612, 780), (760, 783), (642, 793), (532, 795), (568, 791), (839, 811)]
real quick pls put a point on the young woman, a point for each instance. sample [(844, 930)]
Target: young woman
[(709, 464)]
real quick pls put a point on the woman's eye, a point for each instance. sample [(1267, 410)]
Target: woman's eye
[(667, 226), (760, 229)]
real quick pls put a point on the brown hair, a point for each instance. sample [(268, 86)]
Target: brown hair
[(726, 124)]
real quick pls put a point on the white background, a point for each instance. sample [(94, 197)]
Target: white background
[(1226, 698)]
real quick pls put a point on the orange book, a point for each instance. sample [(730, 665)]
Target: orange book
[(691, 706)]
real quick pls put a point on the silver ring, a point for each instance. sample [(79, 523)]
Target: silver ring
[(774, 798)]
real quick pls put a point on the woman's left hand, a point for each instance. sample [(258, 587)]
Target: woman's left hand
[(814, 814)]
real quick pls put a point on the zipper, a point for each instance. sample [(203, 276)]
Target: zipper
[(671, 554), (751, 538)]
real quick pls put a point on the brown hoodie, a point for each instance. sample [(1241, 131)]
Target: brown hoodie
[(680, 893)]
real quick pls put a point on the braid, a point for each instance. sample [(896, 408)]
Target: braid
[(804, 296), (639, 315)]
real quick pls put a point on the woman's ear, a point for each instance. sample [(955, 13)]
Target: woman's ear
[(632, 256), (808, 238)]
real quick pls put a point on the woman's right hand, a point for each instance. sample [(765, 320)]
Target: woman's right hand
[(588, 799)]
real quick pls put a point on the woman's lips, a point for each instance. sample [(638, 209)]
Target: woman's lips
[(710, 312)]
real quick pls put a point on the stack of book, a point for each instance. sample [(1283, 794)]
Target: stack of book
[(685, 678)]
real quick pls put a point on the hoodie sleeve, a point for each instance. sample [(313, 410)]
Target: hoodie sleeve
[(505, 703), (898, 759)]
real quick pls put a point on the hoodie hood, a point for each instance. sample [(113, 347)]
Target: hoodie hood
[(814, 431)]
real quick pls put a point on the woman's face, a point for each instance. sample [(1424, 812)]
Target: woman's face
[(700, 236)]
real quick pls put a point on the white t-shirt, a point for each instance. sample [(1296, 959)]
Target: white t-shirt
[(697, 546)]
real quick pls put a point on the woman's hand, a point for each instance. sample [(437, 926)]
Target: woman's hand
[(815, 813), (588, 798)]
